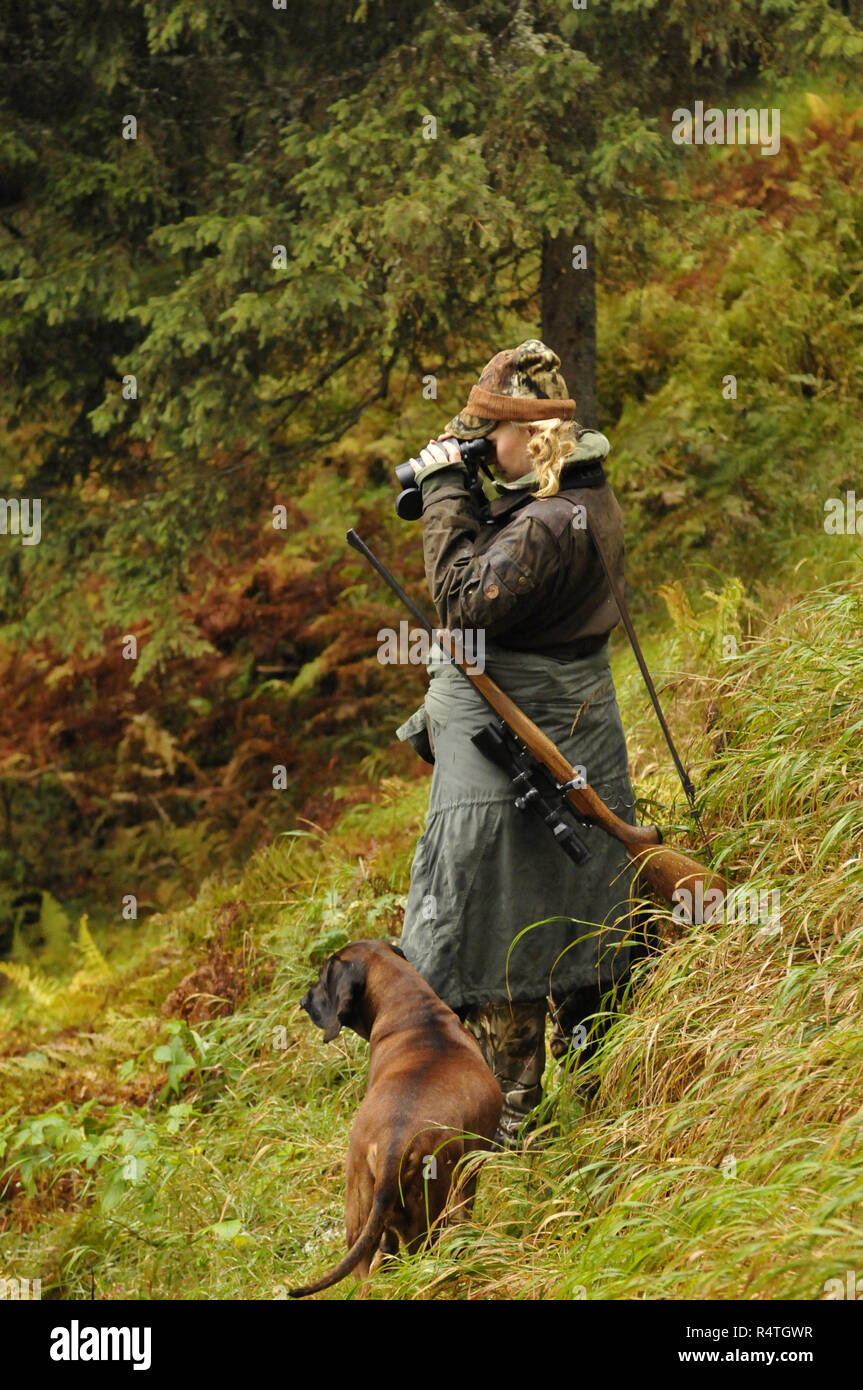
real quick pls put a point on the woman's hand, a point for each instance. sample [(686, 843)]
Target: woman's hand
[(442, 450)]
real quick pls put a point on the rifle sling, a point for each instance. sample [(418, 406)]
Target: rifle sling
[(591, 474), (685, 779)]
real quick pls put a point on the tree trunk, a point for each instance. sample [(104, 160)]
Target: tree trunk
[(569, 319)]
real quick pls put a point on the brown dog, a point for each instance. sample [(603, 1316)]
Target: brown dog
[(430, 1100)]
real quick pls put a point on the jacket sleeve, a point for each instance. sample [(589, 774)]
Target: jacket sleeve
[(496, 589)]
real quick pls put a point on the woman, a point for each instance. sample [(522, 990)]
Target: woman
[(528, 578)]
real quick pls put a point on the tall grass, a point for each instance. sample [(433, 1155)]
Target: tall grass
[(719, 1158)]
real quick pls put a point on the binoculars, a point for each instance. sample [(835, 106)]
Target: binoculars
[(474, 452)]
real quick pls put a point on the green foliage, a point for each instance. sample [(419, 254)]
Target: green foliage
[(740, 483), (176, 1059)]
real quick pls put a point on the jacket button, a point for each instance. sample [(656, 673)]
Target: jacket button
[(492, 591), (521, 579)]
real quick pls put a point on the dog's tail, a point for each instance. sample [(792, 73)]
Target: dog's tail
[(386, 1189)]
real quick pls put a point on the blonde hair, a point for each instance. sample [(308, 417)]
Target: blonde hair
[(548, 448)]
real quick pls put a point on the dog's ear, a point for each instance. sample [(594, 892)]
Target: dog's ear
[(346, 980)]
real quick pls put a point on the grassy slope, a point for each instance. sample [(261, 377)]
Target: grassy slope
[(722, 1156)]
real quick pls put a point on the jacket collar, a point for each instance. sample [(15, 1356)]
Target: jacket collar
[(576, 473), (590, 446)]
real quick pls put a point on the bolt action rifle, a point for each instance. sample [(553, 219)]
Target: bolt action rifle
[(546, 782)]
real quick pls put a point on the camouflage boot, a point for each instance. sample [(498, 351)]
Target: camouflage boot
[(512, 1038)]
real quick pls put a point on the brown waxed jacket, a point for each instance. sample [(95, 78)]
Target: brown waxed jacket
[(525, 573)]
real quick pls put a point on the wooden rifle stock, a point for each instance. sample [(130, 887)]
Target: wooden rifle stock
[(667, 870)]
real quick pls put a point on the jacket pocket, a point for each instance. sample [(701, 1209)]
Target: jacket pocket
[(439, 699), (415, 731)]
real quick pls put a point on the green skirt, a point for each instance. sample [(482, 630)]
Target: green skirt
[(496, 910)]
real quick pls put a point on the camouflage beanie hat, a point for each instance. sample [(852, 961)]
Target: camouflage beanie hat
[(522, 383)]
